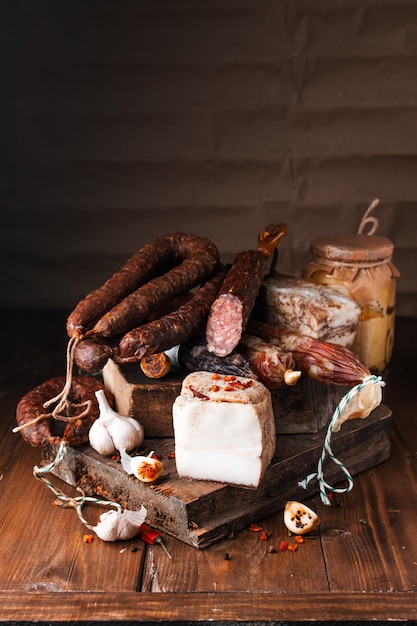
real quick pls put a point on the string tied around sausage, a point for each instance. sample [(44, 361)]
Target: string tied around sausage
[(65, 410), (327, 450)]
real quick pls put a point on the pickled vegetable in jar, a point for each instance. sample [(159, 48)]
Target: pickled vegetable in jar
[(360, 266)]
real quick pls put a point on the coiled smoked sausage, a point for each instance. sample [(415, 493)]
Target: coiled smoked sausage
[(118, 305), (34, 422)]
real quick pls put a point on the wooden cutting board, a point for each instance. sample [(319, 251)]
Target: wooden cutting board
[(201, 513)]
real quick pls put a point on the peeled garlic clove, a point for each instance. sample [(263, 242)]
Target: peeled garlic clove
[(299, 519), (147, 469)]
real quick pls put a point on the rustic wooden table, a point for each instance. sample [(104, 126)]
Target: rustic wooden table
[(361, 566)]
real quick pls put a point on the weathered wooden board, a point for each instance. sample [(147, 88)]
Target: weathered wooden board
[(304, 408), (200, 513)]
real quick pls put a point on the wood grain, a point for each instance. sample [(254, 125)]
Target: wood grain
[(360, 566)]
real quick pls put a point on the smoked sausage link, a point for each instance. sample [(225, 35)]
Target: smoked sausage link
[(137, 270), (231, 309), (133, 292), (172, 329)]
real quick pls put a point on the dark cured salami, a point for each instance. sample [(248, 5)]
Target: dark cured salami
[(195, 258), (231, 310), (31, 406), (172, 329)]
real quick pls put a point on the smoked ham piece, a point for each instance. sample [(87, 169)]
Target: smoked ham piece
[(314, 310), (224, 429)]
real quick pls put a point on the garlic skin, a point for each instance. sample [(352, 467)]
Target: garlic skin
[(146, 468), (112, 432), (117, 524), (299, 518)]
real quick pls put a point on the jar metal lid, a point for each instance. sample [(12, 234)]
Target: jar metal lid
[(352, 248)]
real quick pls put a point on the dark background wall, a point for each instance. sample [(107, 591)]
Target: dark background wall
[(123, 121)]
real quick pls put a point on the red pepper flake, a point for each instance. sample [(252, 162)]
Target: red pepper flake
[(155, 456), (265, 535), (255, 528), (115, 457), (198, 394), (215, 388), (215, 376), (283, 546), (292, 547), (88, 538), (238, 384), (299, 539), (228, 378), (171, 455)]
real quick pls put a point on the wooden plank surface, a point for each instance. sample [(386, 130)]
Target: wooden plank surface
[(360, 566), (202, 512)]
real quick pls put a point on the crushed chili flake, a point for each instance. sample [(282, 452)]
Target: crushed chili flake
[(283, 546), (292, 547), (265, 535), (171, 455), (215, 388), (255, 528), (88, 538), (115, 457), (299, 539), (237, 384), (215, 376), (229, 377)]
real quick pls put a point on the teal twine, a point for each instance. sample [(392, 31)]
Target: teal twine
[(327, 450), (76, 503)]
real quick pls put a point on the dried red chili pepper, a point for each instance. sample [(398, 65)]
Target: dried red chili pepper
[(198, 394), (255, 528), (151, 536), (283, 546)]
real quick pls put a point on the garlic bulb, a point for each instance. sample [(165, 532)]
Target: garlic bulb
[(114, 525), (112, 432), (299, 519), (146, 468)]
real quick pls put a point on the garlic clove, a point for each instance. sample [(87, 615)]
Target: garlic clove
[(146, 468), (299, 518), (126, 433), (100, 438), (118, 524)]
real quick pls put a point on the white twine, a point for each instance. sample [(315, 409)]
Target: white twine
[(327, 450), (67, 501)]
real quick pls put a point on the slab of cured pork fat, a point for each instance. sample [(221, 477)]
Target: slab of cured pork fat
[(224, 429)]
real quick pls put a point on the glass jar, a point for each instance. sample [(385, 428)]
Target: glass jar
[(361, 267)]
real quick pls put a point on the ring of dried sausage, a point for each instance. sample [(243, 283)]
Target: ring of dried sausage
[(31, 406)]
